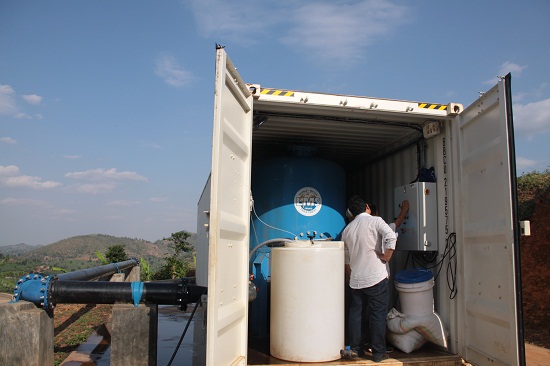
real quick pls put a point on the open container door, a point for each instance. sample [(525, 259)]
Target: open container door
[(489, 290), (227, 309)]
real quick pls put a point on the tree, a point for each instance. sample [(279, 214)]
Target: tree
[(116, 253), (180, 243), (175, 265)]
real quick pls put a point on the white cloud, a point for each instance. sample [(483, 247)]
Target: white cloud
[(341, 31), (539, 91), (505, 68), (7, 100), (325, 30), (29, 182), (96, 188), (508, 66), (170, 71), (8, 104), (22, 115), (106, 174), (153, 146), (523, 164), (158, 199), (9, 170), (238, 21), (32, 99), (532, 119), (8, 140), (10, 201), (10, 177), (122, 203), (108, 179), (535, 93), (64, 211)]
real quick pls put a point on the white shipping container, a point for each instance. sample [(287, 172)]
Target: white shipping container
[(382, 144)]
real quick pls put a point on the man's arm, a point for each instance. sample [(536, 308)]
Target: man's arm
[(389, 239), (402, 214)]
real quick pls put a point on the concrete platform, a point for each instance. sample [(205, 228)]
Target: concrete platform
[(426, 356), (536, 356)]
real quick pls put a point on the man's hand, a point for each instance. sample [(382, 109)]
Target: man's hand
[(385, 257)]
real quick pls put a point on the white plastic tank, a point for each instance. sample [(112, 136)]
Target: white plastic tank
[(415, 291), (307, 301)]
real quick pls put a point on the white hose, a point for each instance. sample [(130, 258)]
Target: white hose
[(269, 241)]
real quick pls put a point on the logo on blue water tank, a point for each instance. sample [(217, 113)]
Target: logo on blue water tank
[(308, 201)]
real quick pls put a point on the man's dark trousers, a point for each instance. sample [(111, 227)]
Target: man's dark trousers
[(376, 298)]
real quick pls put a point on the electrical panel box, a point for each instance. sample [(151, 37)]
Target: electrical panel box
[(418, 232)]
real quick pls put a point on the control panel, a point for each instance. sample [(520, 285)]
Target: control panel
[(418, 231)]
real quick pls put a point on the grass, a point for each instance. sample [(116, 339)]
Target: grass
[(74, 323)]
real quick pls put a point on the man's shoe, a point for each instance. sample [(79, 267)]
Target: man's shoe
[(348, 353), (380, 358), (389, 349)]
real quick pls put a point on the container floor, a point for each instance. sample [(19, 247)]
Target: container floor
[(429, 355)]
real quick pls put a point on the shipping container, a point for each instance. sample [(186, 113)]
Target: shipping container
[(455, 165)]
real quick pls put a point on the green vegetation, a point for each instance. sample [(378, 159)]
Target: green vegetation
[(145, 273), (179, 262), (101, 257), (80, 252), (531, 187), (71, 330), (116, 253)]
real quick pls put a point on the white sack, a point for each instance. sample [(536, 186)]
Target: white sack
[(429, 326)]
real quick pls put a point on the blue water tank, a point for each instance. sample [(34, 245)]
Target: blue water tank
[(304, 196), (294, 196)]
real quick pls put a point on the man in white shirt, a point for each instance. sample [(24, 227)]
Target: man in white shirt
[(368, 276), (404, 208)]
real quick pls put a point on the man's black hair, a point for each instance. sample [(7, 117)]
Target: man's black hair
[(373, 209), (356, 205)]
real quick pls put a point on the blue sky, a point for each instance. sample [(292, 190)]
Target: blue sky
[(106, 106)]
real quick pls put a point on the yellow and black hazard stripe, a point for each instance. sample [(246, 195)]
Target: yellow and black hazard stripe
[(438, 107), (277, 92)]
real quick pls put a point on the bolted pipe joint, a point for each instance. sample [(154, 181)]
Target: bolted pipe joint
[(79, 287), (38, 289), (32, 288)]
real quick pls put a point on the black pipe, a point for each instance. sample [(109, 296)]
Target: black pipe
[(166, 293), (79, 287), (97, 272)]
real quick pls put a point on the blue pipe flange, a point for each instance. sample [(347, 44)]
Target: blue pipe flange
[(47, 305), (33, 288)]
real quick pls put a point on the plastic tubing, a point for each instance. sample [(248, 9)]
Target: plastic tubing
[(267, 242)]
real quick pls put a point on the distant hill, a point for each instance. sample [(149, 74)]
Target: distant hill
[(17, 249), (83, 249)]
